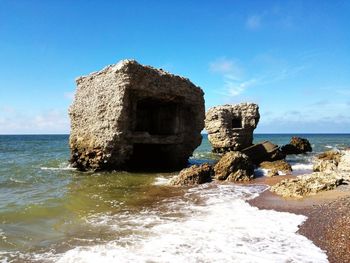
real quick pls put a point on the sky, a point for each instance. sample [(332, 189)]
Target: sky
[(290, 57)]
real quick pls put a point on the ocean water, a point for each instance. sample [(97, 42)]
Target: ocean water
[(52, 213)]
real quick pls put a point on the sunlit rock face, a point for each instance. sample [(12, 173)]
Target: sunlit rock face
[(230, 127), (135, 117)]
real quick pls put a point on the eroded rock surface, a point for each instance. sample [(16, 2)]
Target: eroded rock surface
[(230, 127), (133, 116), (297, 145), (333, 169), (234, 167), (310, 184), (327, 161), (193, 175)]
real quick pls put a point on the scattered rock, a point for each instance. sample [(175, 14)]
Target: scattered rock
[(193, 175), (264, 151), (276, 168), (304, 185), (297, 145), (234, 166), (230, 127), (133, 116)]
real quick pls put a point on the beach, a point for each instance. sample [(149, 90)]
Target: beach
[(328, 221)]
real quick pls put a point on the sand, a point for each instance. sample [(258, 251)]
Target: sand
[(328, 223)]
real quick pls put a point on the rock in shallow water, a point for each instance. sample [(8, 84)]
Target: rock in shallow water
[(234, 166), (193, 175), (297, 145), (230, 127)]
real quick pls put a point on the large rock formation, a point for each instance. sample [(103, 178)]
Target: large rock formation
[(193, 175), (133, 116), (230, 127), (234, 167)]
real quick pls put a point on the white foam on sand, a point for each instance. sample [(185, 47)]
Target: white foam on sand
[(217, 225), (161, 181)]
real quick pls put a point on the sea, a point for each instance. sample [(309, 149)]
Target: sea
[(49, 212)]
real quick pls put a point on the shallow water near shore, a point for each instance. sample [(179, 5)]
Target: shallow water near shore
[(52, 213)]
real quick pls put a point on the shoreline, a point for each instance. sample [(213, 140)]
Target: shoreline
[(328, 216)]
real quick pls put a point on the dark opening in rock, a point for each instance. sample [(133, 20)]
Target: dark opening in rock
[(236, 123), (157, 117), (153, 156)]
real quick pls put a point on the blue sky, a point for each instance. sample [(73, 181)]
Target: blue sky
[(290, 57)]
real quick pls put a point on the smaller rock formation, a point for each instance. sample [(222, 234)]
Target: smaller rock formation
[(280, 167), (193, 175), (327, 161), (234, 167), (264, 151), (230, 127), (338, 161), (297, 145), (310, 184)]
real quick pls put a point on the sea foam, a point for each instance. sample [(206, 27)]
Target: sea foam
[(216, 225)]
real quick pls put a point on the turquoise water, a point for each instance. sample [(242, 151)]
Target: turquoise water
[(47, 208)]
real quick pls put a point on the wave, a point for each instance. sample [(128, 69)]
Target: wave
[(217, 225), (302, 167)]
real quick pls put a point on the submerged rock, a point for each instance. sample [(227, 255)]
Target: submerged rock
[(234, 166), (230, 127), (193, 175), (297, 145), (133, 116), (280, 167), (264, 151), (304, 185)]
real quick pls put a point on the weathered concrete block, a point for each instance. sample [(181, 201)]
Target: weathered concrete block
[(230, 127), (133, 116)]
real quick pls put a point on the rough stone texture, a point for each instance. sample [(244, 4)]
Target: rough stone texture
[(297, 145), (233, 167), (130, 115), (344, 162), (337, 161), (193, 175), (310, 184), (327, 161), (264, 151), (280, 167), (230, 127)]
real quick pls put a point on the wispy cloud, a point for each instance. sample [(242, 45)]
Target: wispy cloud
[(69, 95), (235, 83), (234, 87), (226, 66), (232, 74), (254, 22), (52, 121)]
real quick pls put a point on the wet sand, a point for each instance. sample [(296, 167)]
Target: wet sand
[(328, 223)]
